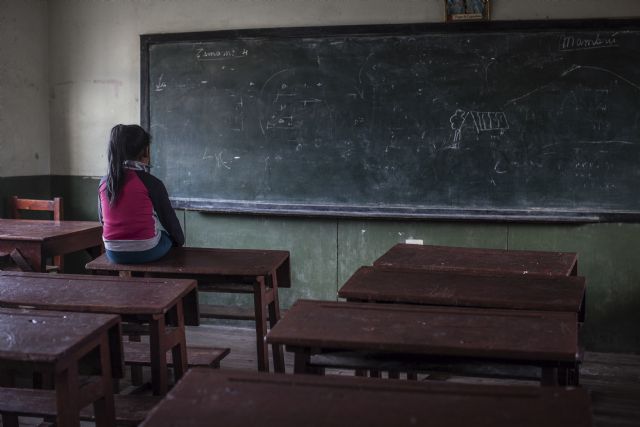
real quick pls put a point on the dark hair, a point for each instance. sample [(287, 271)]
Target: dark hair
[(126, 142)]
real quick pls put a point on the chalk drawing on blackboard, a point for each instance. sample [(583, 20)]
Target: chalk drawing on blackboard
[(160, 84), (607, 142), (489, 121), (604, 70), (457, 120), (574, 68), (483, 121), (266, 83), (264, 185), (292, 105), (206, 156), (221, 162), (238, 118)]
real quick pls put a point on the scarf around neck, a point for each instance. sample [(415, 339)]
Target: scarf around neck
[(136, 165)]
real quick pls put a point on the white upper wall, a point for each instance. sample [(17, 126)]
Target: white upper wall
[(95, 65), (24, 88)]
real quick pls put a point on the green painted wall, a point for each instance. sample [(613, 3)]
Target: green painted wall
[(24, 186), (325, 252)]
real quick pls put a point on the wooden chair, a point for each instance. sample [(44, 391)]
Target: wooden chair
[(18, 205)]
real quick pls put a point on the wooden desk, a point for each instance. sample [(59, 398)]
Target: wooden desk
[(243, 399), (259, 272), (157, 302), (478, 260), (37, 240), (54, 343), (548, 340), (518, 292)]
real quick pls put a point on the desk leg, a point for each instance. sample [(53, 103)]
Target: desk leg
[(549, 376), (261, 324), (95, 251), (36, 264), (179, 350), (104, 408), (7, 378), (136, 371), (190, 306), (67, 397), (573, 376), (301, 362), (10, 420), (274, 317), (158, 355)]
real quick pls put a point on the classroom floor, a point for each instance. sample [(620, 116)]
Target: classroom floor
[(612, 379)]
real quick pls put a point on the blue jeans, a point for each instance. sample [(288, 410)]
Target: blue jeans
[(141, 257)]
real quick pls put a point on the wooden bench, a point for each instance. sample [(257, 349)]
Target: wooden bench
[(256, 272), (205, 396), (56, 344), (130, 410), (477, 260), (36, 240), (544, 339), (467, 289), (155, 304), (137, 354)]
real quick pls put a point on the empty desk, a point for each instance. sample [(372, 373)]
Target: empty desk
[(157, 302), (440, 334), (54, 343), (258, 272), (244, 399), (449, 258), (508, 291), (36, 240)]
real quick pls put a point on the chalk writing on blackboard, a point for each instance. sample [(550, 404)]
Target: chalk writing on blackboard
[(160, 85), (572, 43), (203, 54), (408, 120)]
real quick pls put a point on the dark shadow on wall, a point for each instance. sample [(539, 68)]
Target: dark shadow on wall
[(36, 186)]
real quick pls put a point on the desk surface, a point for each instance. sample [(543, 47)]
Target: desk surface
[(449, 258), (208, 261), (425, 330), (48, 336), (96, 294), (556, 293), (241, 398), (36, 230)]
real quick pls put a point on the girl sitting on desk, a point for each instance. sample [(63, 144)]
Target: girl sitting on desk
[(139, 223)]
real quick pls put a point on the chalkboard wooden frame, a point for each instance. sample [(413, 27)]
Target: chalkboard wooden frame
[(550, 215)]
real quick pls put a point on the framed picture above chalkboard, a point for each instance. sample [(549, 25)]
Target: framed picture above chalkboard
[(466, 10)]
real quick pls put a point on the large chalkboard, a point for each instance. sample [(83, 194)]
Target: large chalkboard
[(533, 121)]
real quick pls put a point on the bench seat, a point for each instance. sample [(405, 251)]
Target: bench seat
[(363, 361), (226, 312), (130, 409), (137, 354)]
